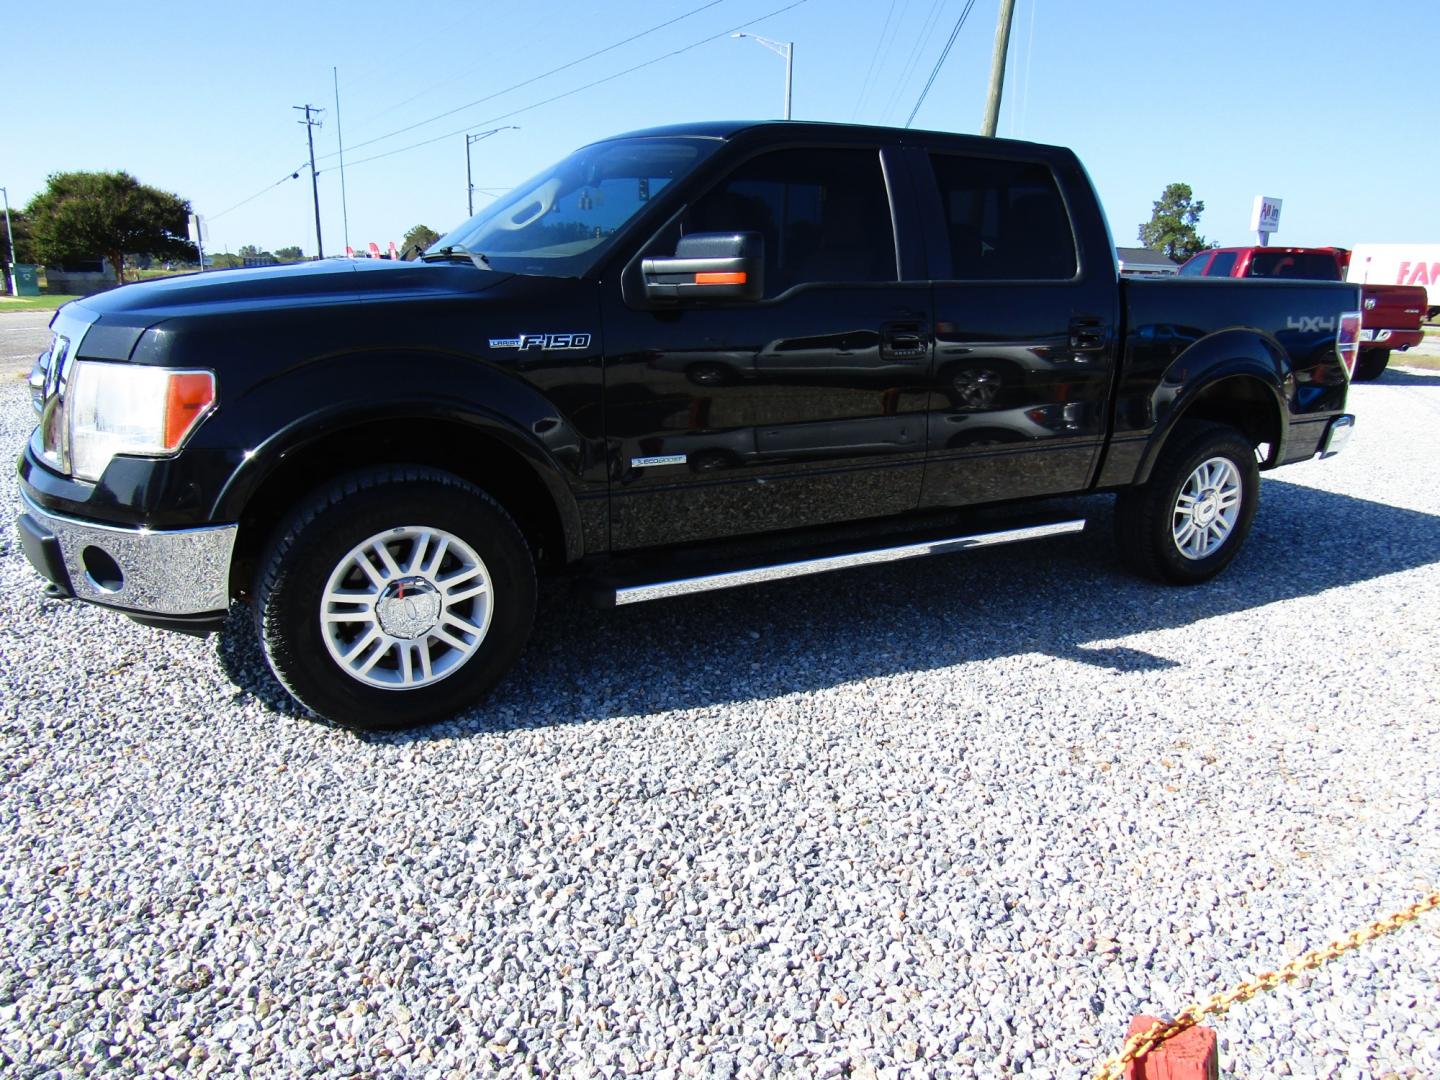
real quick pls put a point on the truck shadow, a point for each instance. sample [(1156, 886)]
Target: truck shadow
[(1050, 597)]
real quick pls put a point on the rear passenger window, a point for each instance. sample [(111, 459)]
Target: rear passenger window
[(824, 215), (1005, 220), (1223, 263)]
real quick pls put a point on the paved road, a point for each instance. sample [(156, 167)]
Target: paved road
[(23, 336)]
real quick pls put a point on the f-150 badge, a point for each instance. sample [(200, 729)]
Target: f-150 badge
[(525, 342)]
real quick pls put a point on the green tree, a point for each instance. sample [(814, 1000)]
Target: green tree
[(419, 238), (249, 251), (1172, 223), (80, 215), (289, 254)]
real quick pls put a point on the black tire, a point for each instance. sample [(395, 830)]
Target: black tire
[(1146, 516), (1371, 364), (325, 530)]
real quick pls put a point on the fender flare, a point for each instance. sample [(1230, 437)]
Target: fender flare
[(1213, 359), (551, 447)]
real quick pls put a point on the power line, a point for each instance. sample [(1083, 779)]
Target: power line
[(940, 62), (869, 71), (527, 82), (921, 40), (293, 174), (580, 89)]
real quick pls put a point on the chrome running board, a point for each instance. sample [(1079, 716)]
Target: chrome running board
[(635, 594)]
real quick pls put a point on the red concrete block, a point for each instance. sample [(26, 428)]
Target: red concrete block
[(1191, 1055)]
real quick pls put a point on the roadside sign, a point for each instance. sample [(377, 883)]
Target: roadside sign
[(199, 234), (1265, 217)]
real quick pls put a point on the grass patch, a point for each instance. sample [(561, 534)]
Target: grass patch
[(1415, 360), (43, 302)]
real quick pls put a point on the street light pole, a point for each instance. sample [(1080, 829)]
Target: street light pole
[(779, 48), (470, 183), (9, 247)]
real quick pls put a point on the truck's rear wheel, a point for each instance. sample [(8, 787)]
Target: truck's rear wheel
[(1371, 363), (394, 597), (1191, 518)]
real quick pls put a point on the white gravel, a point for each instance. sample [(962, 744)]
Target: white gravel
[(961, 817)]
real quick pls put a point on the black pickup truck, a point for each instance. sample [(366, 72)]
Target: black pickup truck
[(686, 358)]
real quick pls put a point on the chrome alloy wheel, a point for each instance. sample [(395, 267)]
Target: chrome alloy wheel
[(1207, 508), (406, 608)]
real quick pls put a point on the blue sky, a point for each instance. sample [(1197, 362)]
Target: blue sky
[(1327, 105)]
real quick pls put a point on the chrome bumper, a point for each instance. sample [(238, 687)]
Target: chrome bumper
[(1337, 434), (160, 571)]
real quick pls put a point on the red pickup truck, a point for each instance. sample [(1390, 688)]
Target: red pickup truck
[(1392, 315)]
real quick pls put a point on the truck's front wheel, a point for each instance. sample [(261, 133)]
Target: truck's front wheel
[(394, 597), (1191, 518)]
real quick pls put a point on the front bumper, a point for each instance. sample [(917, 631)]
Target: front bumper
[(162, 576)]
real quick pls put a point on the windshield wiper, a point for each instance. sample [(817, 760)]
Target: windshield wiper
[(449, 251)]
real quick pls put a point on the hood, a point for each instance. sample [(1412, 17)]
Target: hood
[(329, 281)]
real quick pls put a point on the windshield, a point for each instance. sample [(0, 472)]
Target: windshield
[(561, 221)]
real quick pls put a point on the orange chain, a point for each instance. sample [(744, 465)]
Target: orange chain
[(1141, 1043)]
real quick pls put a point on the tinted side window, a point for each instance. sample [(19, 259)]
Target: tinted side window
[(1196, 266), (1223, 263), (1005, 220), (824, 214), (1313, 266)]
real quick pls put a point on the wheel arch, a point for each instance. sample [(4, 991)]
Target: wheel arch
[(1236, 378), (514, 470)]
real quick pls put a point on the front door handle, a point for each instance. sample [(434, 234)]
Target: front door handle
[(903, 341)]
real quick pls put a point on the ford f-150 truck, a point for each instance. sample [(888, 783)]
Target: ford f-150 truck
[(1392, 313), (683, 359)]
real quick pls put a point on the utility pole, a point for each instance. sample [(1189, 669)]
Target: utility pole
[(785, 49), (9, 274), (310, 126), (997, 67), (470, 140)]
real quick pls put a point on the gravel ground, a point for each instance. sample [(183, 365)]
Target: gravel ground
[(960, 817)]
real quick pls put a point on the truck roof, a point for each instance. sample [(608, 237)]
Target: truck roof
[(728, 129), (1273, 247)]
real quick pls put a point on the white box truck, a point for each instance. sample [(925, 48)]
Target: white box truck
[(1399, 264)]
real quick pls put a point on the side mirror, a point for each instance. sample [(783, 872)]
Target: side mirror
[(708, 266)]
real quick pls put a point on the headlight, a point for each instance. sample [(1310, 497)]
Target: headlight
[(130, 409)]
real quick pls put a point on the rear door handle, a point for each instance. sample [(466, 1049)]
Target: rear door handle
[(1087, 333)]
